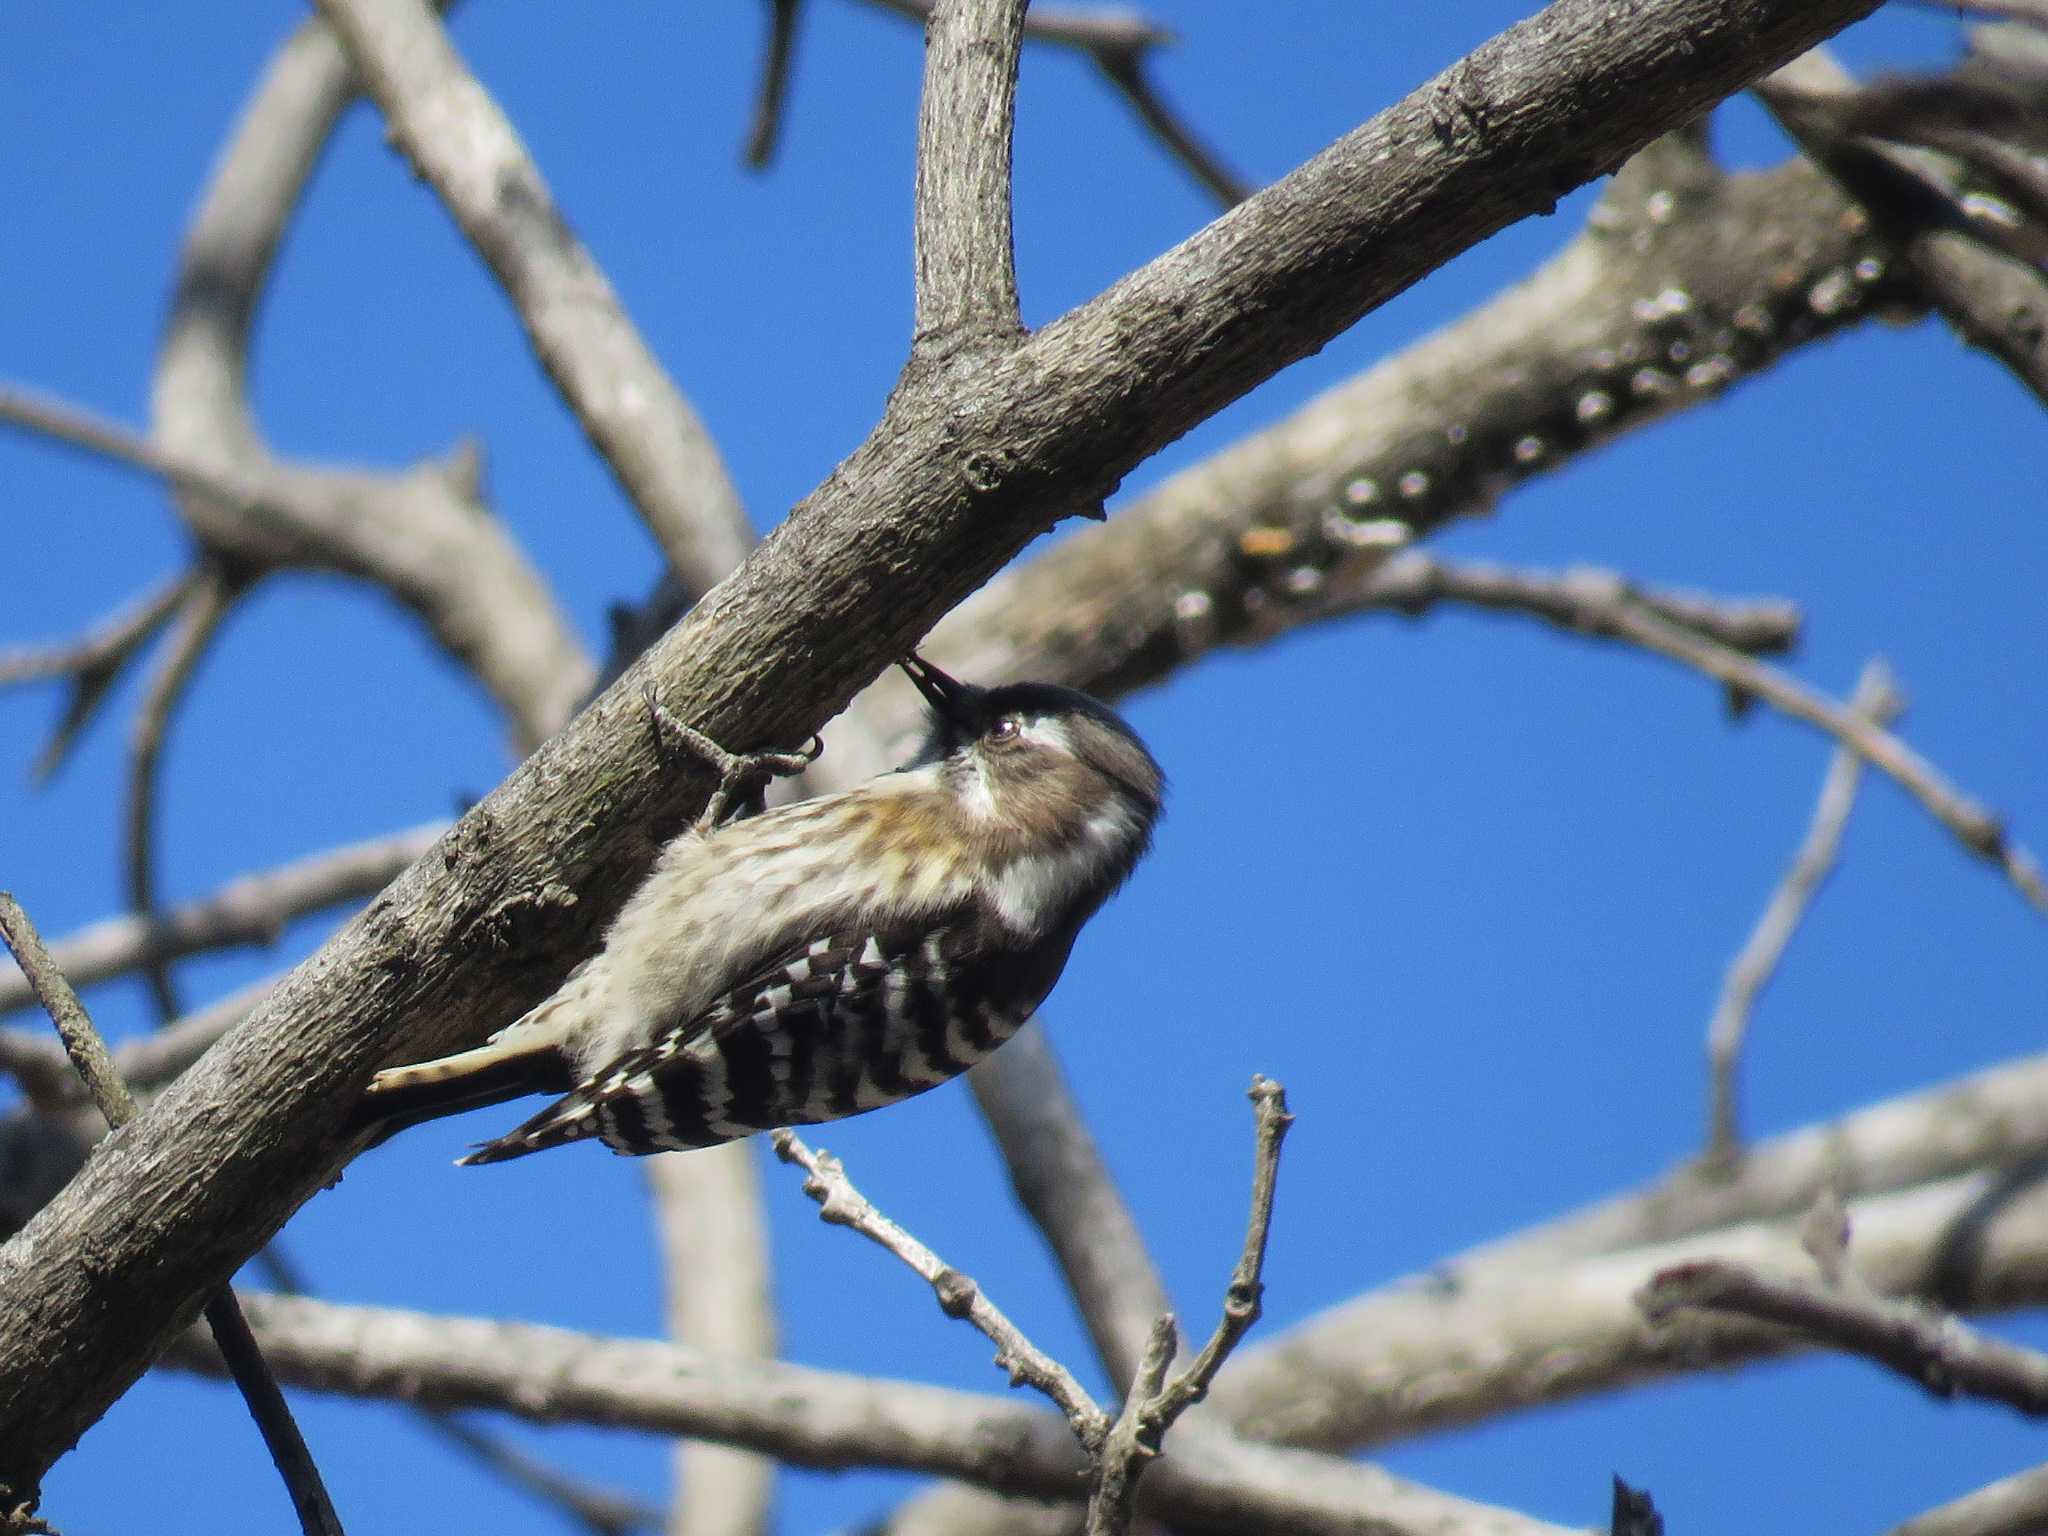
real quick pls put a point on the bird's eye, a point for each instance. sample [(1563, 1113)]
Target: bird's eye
[(1006, 728)]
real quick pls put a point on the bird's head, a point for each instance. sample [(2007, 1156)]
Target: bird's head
[(1039, 758)]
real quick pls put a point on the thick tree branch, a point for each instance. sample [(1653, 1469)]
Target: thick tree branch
[(714, 1248), (1295, 524), (957, 477), (456, 137), (2012, 1506), (1923, 183), (821, 1419), (1424, 1358), (230, 1331), (423, 535), (1928, 1348)]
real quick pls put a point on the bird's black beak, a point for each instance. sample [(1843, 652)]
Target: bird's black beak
[(948, 696)]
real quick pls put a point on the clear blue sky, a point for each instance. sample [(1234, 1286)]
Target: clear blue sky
[(1467, 888)]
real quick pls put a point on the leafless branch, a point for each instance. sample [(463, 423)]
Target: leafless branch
[(230, 1331), (1926, 183), (776, 60), (421, 534), (93, 663), (1978, 829), (1582, 600), (1487, 1341), (1119, 42), (598, 1510), (1022, 1361), (1154, 1403), (400, 533), (714, 1247), (2012, 1506), (1877, 700), (253, 909), (1296, 524), (823, 1419), (1927, 1347), (965, 263), (962, 474), (1062, 1182), (82, 1042), (1126, 70), (198, 622), (455, 136)]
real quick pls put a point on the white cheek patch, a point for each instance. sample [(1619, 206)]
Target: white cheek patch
[(976, 798)]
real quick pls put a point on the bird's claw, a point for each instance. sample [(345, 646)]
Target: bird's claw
[(742, 776)]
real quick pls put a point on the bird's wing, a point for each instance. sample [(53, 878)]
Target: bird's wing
[(845, 1022)]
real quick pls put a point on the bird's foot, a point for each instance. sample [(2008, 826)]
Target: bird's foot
[(742, 776)]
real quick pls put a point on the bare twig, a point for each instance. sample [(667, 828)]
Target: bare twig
[(1927, 1347), (1118, 42), (1118, 1449), (1976, 828), (1153, 1403), (230, 1331), (1877, 700), (81, 1041), (1125, 69), (2012, 1506), (1022, 1361), (776, 60), (198, 622), (965, 264), (421, 534), (1062, 1182), (1582, 600), (93, 663), (253, 909), (458, 139), (600, 1511), (77, 428), (273, 1416)]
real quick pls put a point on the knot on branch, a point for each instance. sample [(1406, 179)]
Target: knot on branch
[(957, 1294)]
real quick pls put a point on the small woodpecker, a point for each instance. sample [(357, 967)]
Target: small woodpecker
[(830, 957)]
